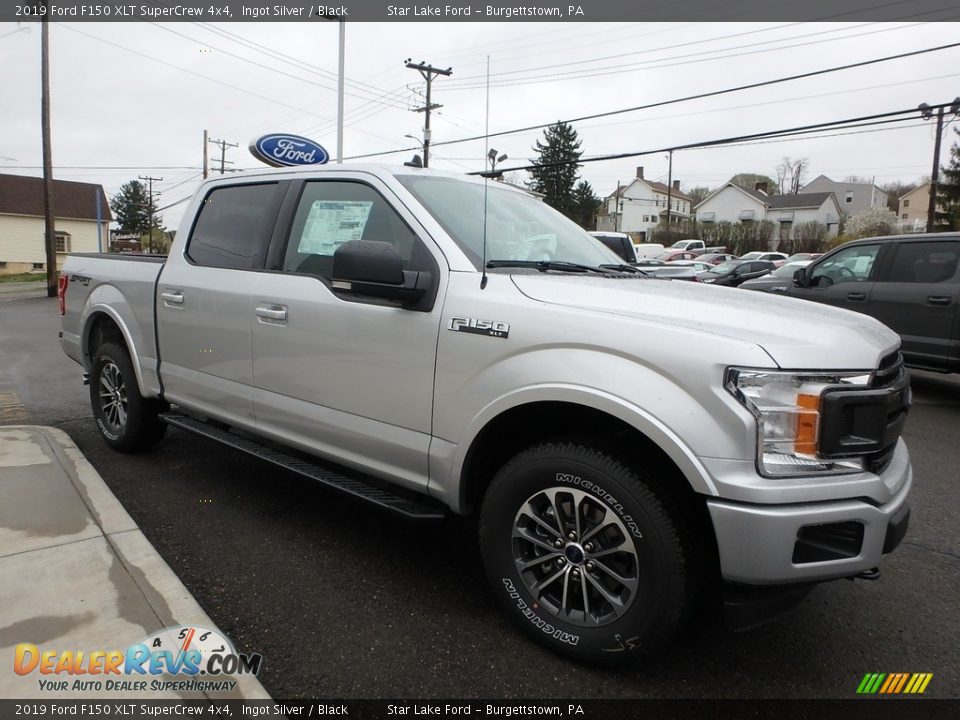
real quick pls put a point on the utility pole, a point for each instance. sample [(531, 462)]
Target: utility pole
[(206, 155), (223, 145), (926, 112), (50, 237), (935, 174), (429, 73), (669, 188), (150, 181)]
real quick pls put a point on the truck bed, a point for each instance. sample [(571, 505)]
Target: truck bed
[(120, 286)]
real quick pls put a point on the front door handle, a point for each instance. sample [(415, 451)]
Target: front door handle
[(172, 297), (939, 299), (272, 313), (857, 296)]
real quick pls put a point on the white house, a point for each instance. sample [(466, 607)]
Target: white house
[(732, 203), (640, 205), (79, 225), (851, 197), (913, 209)]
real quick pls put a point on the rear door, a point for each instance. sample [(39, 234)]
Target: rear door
[(917, 296), (845, 278), (204, 308)]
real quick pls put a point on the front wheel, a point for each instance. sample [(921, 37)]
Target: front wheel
[(128, 421), (586, 555)]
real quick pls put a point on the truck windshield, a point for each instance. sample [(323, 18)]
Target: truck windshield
[(519, 227)]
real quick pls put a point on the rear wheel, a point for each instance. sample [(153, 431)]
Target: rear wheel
[(128, 421), (586, 555)]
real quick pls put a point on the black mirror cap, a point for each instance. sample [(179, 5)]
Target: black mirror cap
[(798, 278), (368, 261), (375, 269)]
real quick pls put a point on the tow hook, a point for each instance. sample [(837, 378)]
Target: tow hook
[(871, 574)]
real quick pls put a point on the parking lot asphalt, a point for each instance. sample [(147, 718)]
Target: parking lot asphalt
[(345, 601)]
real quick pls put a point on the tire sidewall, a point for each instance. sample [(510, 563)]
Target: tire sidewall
[(642, 627)]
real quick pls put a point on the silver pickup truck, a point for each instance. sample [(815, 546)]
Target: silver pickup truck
[(434, 343)]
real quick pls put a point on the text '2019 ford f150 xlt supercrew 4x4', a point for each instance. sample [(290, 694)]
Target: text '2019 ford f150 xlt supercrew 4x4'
[(459, 341)]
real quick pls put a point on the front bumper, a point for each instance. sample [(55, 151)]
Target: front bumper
[(758, 544)]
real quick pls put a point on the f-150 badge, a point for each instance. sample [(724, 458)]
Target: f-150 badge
[(493, 328)]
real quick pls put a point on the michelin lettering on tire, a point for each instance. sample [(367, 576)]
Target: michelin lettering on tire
[(609, 499), (535, 619)]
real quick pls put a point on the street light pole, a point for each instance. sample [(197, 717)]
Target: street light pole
[(50, 239), (340, 83)]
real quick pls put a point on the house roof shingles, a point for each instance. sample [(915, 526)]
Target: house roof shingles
[(795, 202), (23, 195)]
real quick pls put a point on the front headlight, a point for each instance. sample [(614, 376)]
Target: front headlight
[(787, 408)]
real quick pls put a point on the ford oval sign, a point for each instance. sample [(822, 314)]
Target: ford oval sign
[(283, 150)]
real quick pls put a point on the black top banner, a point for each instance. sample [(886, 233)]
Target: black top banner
[(483, 11), (400, 709)]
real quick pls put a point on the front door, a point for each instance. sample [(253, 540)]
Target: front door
[(346, 376), (844, 279)]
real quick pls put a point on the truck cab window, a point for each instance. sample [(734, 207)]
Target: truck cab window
[(234, 226), (925, 262), (851, 265), (332, 213)]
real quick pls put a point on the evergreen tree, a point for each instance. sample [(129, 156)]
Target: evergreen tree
[(585, 205), (556, 182), (947, 216), (131, 207)]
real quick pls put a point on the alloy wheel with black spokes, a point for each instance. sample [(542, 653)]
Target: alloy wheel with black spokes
[(127, 420), (575, 556), (586, 554), (113, 397)]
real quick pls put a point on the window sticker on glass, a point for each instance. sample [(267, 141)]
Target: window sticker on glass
[(331, 223)]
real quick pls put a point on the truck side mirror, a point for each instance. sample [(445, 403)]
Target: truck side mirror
[(370, 267), (799, 278)]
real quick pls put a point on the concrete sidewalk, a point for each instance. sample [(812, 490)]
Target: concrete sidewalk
[(76, 574)]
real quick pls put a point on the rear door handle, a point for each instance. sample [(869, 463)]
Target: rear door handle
[(856, 296), (939, 299), (172, 297), (275, 314)]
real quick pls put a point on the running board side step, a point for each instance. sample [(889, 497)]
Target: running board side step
[(409, 508)]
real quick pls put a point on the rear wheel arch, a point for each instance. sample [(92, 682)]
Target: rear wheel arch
[(103, 327)]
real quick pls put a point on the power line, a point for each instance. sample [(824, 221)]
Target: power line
[(660, 63), (190, 72), (784, 132), (267, 67), (688, 98)]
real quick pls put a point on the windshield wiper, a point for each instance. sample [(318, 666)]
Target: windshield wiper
[(622, 267), (545, 265)]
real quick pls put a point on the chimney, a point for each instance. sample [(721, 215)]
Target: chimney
[(761, 186), (640, 173), (676, 185)]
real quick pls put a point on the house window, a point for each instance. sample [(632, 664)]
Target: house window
[(906, 203), (849, 198), (904, 216), (62, 239), (38, 266), (3, 264)]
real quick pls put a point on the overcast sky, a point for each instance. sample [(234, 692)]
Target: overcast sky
[(138, 95)]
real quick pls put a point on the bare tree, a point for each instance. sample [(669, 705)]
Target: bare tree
[(790, 174)]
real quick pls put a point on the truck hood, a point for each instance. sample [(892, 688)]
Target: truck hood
[(795, 333)]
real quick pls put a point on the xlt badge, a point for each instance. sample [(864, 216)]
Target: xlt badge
[(493, 328)]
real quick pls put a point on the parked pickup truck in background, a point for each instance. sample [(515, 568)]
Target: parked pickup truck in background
[(697, 247), (624, 454), (910, 283)]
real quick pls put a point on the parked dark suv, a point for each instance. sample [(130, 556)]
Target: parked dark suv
[(911, 283)]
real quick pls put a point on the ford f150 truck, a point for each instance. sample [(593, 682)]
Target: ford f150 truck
[(435, 343)]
